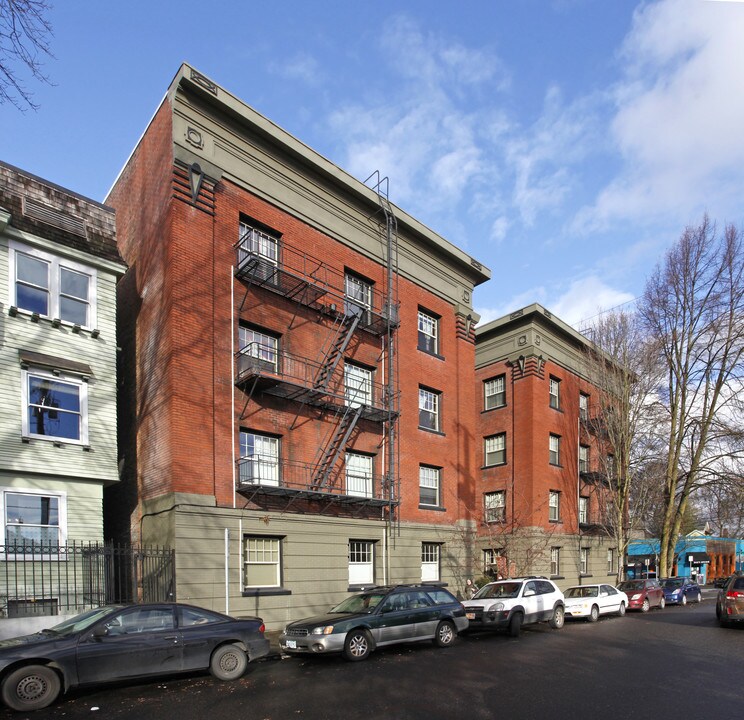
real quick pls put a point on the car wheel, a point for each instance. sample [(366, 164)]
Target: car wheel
[(718, 612), (445, 634), (515, 625), (684, 599), (358, 645), (594, 614), (228, 662), (699, 597), (646, 605), (662, 604), (621, 611), (31, 688), (559, 616)]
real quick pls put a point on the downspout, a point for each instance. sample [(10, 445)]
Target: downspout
[(232, 384), (227, 571)]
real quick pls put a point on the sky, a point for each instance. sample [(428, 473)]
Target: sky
[(564, 144)]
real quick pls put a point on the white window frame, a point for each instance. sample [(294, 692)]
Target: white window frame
[(361, 558), (554, 447), (584, 561), (259, 344), (429, 403), (583, 458), (583, 406), (358, 294), (257, 242), (428, 332), (265, 453), (583, 510), (611, 569), (430, 561), (359, 475), (61, 514), (430, 478), (266, 552), (60, 377), (554, 386), (358, 385), (494, 391), (495, 450), (493, 558), (554, 506), (555, 561), (494, 506), (55, 266)]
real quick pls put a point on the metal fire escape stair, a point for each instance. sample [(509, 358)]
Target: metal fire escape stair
[(336, 445), (344, 332)]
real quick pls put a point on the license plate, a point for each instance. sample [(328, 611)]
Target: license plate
[(470, 616), (292, 644)]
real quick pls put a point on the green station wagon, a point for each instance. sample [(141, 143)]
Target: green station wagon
[(377, 617)]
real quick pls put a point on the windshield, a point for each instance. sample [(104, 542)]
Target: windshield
[(632, 585), (582, 592), (498, 590), (366, 602), (673, 582), (84, 621)]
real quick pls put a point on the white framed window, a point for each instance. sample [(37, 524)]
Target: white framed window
[(428, 332), (259, 459), (361, 562), (583, 458), (55, 407), (357, 385), (583, 510), (611, 561), (555, 393), (584, 561), (495, 449), (494, 505), (494, 391), (359, 475), (554, 506), (429, 485), (583, 406), (430, 553), (555, 561), (262, 561), (259, 244), (52, 286), (33, 518), (555, 449), (493, 561), (429, 409), (358, 292), (260, 345)]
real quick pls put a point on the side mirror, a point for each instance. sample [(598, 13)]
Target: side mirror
[(528, 593), (101, 631)]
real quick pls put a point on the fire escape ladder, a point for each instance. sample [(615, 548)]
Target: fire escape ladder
[(344, 332), (336, 445)]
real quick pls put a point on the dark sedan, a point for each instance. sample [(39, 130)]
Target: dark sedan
[(126, 642), (681, 590), (730, 602)]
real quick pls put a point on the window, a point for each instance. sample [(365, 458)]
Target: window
[(141, 619), (583, 406), (259, 345), (494, 562), (554, 503), (53, 287), (33, 518), (495, 392), (555, 450), (429, 485), (429, 409), (428, 332), (583, 458), (555, 561), (610, 561), (259, 459), (357, 385), (555, 393), (56, 407), (358, 295), (583, 510), (358, 475), (261, 246), (495, 449), (429, 561), (361, 562), (584, 561), (261, 561), (495, 506)]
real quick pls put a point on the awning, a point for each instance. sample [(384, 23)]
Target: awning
[(698, 558), (39, 360)]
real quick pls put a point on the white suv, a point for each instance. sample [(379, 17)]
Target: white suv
[(516, 602)]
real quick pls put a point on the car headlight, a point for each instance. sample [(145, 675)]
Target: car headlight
[(637, 596), (676, 592), (496, 607), (323, 630)]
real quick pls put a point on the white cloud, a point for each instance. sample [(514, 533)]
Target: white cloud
[(300, 66)]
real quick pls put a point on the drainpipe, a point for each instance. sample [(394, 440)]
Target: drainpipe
[(232, 379), (227, 571)]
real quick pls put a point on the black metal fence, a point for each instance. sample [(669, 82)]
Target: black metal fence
[(45, 579)]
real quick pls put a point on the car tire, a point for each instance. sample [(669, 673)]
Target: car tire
[(445, 634), (228, 662), (662, 604), (621, 611), (515, 625), (593, 614), (684, 600), (358, 645), (646, 606), (31, 688), (559, 617), (699, 597)]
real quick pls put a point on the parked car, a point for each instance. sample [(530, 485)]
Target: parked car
[(591, 601), (679, 590), (643, 594), (720, 582), (120, 642), (378, 617), (513, 603), (730, 601)]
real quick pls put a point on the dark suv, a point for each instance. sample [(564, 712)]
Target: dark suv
[(730, 602), (378, 617)]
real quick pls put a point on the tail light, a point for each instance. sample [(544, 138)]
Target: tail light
[(734, 594), (262, 629)]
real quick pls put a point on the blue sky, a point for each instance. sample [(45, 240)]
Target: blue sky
[(563, 143)]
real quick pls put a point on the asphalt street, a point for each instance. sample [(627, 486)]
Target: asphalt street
[(641, 666)]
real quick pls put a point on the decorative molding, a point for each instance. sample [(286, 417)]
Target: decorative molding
[(466, 296), (206, 83), (516, 314), (194, 137)]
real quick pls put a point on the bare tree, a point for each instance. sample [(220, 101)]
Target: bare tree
[(720, 502), (24, 40), (694, 306)]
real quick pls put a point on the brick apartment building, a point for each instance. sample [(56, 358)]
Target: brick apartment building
[(543, 481), (298, 397)]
